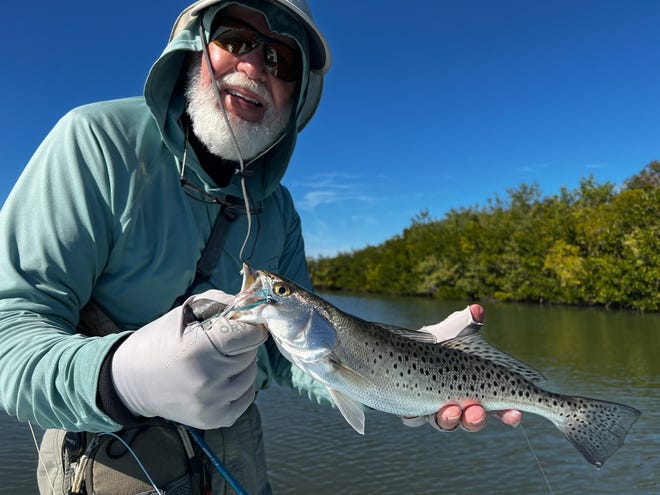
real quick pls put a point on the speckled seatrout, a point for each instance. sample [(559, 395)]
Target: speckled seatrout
[(403, 372)]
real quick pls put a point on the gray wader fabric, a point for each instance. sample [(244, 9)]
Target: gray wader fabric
[(239, 447), (241, 450), (51, 468)]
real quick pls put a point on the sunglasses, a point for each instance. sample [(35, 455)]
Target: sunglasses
[(239, 38)]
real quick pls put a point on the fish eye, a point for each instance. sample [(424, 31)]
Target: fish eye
[(282, 290)]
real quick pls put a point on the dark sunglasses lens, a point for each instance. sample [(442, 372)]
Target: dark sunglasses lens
[(236, 41), (282, 60), (285, 60)]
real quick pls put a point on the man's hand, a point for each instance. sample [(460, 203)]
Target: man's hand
[(471, 416), (199, 373), (468, 414)]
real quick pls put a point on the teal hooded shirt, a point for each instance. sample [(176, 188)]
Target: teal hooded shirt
[(99, 213)]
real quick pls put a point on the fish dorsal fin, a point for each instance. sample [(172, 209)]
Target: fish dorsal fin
[(350, 409), (416, 335), (476, 345), (470, 329)]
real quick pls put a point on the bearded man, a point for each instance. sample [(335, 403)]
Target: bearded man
[(147, 206)]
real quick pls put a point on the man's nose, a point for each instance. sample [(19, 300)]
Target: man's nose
[(253, 64)]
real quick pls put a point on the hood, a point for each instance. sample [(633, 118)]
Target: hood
[(164, 88)]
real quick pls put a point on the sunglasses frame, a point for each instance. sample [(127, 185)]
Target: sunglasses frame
[(253, 38)]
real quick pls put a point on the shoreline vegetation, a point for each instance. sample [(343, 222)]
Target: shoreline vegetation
[(596, 245)]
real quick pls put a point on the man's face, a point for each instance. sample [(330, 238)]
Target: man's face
[(258, 104)]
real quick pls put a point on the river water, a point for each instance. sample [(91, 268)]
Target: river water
[(590, 352)]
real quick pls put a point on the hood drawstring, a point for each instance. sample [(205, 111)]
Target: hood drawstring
[(241, 170)]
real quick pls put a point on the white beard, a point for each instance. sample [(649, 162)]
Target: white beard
[(209, 124)]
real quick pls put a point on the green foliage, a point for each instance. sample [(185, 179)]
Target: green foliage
[(592, 245), (648, 178)]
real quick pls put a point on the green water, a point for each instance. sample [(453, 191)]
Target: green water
[(310, 448)]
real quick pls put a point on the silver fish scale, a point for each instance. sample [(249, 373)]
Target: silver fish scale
[(411, 378)]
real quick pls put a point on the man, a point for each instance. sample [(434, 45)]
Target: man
[(104, 261)]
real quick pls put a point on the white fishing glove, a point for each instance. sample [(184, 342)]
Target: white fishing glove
[(198, 374), (456, 323)]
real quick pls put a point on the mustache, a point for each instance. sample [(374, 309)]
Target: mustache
[(240, 80)]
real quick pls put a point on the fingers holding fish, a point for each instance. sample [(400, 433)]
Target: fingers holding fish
[(477, 313), (472, 417), (510, 417), (469, 414)]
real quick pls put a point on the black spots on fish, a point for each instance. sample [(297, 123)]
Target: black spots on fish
[(596, 428)]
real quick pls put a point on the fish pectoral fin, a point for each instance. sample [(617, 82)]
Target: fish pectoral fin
[(349, 375), (350, 409)]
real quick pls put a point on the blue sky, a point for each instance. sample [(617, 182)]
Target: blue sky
[(428, 105)]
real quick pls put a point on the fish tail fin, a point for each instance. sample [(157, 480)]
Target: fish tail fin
[(596, 428)]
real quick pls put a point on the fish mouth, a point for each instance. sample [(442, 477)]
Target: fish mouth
[(250, 277), (252, 294)]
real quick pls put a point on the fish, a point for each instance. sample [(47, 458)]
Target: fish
[(404, 372)]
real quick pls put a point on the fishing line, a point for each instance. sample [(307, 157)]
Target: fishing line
[(139, 463), (241, 169), (41, 461), (538, 461)]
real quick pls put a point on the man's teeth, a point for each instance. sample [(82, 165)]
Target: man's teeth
[(240, 95)]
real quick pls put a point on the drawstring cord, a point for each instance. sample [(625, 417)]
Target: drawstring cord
[(241, 170)]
